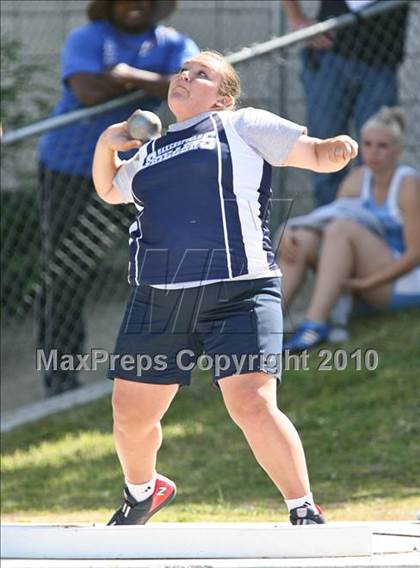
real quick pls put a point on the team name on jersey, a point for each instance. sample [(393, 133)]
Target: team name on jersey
[(206, 141)]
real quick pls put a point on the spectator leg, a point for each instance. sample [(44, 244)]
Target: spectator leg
[(294, 272), (328, 83), (378, 87), (58, 312), (348, 250), (73, 241)]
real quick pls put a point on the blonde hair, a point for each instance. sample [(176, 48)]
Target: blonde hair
[(230, 85), (390, 118)]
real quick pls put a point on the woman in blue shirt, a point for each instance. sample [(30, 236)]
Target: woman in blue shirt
[(204, 278), (121, 49)]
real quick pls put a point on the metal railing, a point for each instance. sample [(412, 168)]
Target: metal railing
[(241, 56)]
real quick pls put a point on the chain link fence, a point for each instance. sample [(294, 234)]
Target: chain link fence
[(81, 269), (342, 92)]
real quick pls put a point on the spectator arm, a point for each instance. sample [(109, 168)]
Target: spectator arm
[(132, 79), (293, 12), (91, 89), (410, 206)]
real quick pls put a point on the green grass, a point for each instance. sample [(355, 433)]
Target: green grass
[(361, 432)]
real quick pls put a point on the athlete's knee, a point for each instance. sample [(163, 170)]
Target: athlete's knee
[(129, 413), (249, 408), (126, 421)]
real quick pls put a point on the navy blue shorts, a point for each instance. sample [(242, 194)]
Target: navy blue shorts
[(228, 328)]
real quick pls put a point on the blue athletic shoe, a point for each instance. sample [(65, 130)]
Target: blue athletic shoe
[(308, 335)]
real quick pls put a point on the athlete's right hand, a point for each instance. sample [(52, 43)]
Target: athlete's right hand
[(117, 138), (289, 245)]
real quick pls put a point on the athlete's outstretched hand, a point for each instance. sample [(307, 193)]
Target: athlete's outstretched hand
[(342, 149), (117, 138), (325, 156)]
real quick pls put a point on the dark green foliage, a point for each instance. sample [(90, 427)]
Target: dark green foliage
[(20, 79)]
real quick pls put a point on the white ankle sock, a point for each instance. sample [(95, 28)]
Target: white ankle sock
[(299, 502), (141, 491)]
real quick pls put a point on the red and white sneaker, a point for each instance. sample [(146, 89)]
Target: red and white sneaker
[(134, 512)]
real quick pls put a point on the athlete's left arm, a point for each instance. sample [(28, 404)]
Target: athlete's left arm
[(324, 156), (410, 206)]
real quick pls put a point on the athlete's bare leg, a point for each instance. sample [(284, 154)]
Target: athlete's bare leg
[(348, 250), (252, 404), (138, 409)]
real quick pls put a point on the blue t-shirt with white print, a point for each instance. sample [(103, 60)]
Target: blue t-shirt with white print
[(95, 48)]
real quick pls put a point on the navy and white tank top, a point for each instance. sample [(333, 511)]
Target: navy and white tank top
[(202, 194)]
